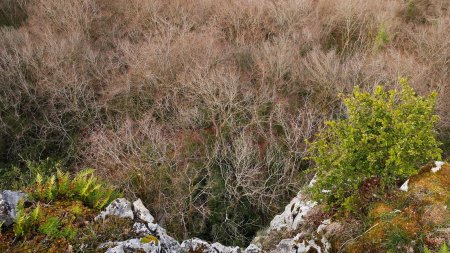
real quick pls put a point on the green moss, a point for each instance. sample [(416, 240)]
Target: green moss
[(150, 239), (405, 219)]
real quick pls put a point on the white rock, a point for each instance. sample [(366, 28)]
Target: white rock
[(8, 206), (326, 244), (438, 166), (119, 207), (252, 248), (323, 225), (219, 248), (404, 186), (313, 181), (293, 214), (142, 212), (168, 243), (195, 245), (141, 229), (156, 229), (286, 246), (131, 245), (116, 249), (295, 245)]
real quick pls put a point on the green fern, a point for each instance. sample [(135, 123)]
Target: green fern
[(21, 220), (25, 221), (444, 248), (84, 186), (63, 181), (50, 189), (51, 228), (36, 213)]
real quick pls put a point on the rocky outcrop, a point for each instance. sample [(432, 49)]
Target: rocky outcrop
[(293, 215), (297, 229), (153, 238), (8, 206), (131, 245), (197, 245), (291, 220), (142, 212)]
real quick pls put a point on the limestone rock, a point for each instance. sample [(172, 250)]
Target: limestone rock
[(293, 214), (218, 247), (252, 248), (142, 212), (119, 207), (195, 245), (8, 206), (200, 246), (168, 244), (141, 229), (132, 245)]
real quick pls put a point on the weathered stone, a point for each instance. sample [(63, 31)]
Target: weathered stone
[(8, 206), (142, 212), (168, 244), (141, 229), (132, 245), (218, 247), (252, 248), (200, 246), (195, 245), (119, 207), (294, 213)]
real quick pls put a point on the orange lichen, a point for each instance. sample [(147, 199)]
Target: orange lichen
[(380, 209)]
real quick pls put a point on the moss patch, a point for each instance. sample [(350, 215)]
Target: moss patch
[(150, 239), (410, 219)]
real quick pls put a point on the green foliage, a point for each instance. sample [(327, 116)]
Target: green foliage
[(18, 177), (85, 186), (382, 37), (386, 135), (397, 239), (444, 248), (50, 227), (25, 222)]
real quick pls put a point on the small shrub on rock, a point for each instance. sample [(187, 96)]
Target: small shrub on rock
[(385, 135)]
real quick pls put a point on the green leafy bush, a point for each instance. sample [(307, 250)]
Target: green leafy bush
[(385, 135)]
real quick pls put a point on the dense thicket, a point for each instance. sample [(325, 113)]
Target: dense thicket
[(201, 107)]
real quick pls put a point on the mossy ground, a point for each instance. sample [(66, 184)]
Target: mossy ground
[(409, 221), (71, 215)]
